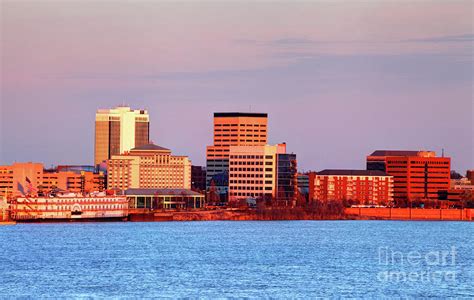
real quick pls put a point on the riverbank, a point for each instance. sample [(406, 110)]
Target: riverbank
[(5, 223), (233, 215), (274, 214), (416, 214), (281, 214)]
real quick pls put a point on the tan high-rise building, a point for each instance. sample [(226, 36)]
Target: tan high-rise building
[(118, 130), (148, 166), (232, 129)]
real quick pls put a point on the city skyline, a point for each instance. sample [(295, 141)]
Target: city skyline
[(54, 164), (332, 94)]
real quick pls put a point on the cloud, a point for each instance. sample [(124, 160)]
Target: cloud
[(444, 39), (402, 69), (247, 41), (292, 41), (307, 42)]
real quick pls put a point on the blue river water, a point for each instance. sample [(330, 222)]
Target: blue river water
[(279, 259)]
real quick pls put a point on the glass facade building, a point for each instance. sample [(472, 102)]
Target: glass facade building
[(287, 182)]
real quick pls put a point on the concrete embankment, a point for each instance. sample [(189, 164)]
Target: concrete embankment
[(426, 214)]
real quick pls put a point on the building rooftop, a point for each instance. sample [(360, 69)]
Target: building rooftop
[(150, 147), (394, 153), (121, 108), (343, 172), (240, 114), (153, 192)]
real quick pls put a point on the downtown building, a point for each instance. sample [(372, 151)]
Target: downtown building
[(262, 172), (148, 167), (29, 178), (303, 184), (417, 175), (470, 175), (119, 130), (198, 178), (231, 129), (369, 187)]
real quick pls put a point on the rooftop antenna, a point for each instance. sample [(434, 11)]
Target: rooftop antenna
[(442, 152), (250, 108)]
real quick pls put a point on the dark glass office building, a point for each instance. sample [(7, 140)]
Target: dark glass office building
[(287, 182)]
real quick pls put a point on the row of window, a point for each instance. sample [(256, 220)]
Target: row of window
[(357, 179), (250, 181), (250, 188), (251, 141), (246, 163), (219, 142), (241, 125), (256, 138), (248, 157), (429, 162), (218, 150), (86, 207), (246, 175), (250, 169), (404, 162), (250, 163), (235, 130)]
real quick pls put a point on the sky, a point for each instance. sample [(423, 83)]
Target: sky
[(339, 79)]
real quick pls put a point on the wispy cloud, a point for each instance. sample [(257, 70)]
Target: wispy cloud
[(307, 42), (444, 39), (407, 68), (292, 41)]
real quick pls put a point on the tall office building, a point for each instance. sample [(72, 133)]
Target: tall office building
[(417, 175), (118, 130), (198, 178), (262, 172), (287, 176), (231, 129)]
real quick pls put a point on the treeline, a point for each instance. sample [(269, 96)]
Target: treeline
[(300, 209)]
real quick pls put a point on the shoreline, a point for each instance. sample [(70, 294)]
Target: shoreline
[(279, 214)]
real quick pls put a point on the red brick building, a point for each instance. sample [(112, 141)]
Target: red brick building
[(14, 179), (360, 186), (417, 175)]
